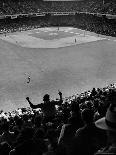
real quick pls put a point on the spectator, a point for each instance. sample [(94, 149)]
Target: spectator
[(24, 135), (37, 122), (7, 136), (52, 141), (67, 134), (88, 138), (48, 107), (4, 148), (32, 146), (18, 125), (108, 123)]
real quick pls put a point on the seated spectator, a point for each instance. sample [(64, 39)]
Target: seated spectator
[(68, 129), (88, 138), (67, 134), (76, 115), (32, 146), (24, 135), (26, 122), (39, 146), (52, 141), (7, 136), (18, 125), (4, 148), (108, 123), (37, 122)]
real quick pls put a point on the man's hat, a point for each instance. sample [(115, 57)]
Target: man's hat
[(109, 121)]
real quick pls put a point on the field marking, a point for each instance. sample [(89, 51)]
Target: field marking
[(51, 34), (78, 33)]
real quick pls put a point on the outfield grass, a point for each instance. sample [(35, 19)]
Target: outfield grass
[(71, 69)]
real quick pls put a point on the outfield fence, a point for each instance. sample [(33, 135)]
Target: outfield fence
[(109, 16)]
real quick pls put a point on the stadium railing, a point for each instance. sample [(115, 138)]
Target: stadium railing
[(109, 16)]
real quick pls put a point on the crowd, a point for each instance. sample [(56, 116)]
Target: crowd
[(21, 24), (93, 23), (80, 124), (11, 7), (99, 25)]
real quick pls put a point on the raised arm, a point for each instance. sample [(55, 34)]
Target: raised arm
[(32, 105), (61, 100)]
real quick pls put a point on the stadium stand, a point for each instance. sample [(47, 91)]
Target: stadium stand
[(23, 131), (96, 16), (11, 7)]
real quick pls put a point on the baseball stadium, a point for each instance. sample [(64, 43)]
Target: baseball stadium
[(57, 77)]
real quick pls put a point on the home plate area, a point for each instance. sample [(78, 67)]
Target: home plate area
[(50, 37)]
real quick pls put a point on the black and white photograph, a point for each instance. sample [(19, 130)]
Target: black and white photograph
[(57, 77)]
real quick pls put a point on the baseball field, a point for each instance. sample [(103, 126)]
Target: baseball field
[(46, 60)]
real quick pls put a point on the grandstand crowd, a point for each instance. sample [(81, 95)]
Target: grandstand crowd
[(93, 23), (67, 126), (31, 6), (83, 124), (86, 15)]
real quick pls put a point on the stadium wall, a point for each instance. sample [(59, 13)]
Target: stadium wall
[(108, 16), (79, 20)]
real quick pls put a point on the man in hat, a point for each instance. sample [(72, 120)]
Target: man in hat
[(108, 123), (47, 107)]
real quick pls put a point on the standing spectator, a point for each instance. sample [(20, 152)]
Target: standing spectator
[(48, 107)]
